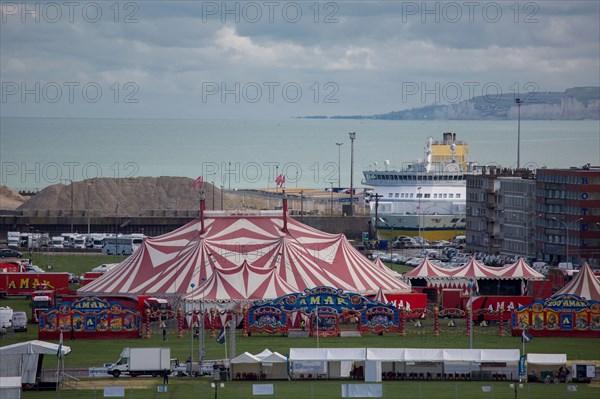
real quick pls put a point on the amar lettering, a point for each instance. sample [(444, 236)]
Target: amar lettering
[(26, 283)]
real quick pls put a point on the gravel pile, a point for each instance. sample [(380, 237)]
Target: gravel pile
[(132, 195), (10, 199)]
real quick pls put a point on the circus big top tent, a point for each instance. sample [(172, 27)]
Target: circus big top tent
[(227, 258), (585, 284)]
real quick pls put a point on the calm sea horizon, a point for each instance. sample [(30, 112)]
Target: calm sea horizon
[(236, 154)]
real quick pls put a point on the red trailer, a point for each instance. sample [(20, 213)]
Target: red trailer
[(88, 277), (41, 301), (27, 283), (11, 266)]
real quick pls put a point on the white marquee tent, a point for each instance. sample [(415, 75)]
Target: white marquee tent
[(22, 359)]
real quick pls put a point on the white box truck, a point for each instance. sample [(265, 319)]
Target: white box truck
[(13, 239), (142, 361)]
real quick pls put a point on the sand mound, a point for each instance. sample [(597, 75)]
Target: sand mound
[(133, 196), (10, 199)]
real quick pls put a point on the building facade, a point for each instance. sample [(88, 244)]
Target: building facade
[(568, 229), (517, 216)]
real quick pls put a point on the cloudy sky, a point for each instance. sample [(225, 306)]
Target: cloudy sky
[(265, 59)]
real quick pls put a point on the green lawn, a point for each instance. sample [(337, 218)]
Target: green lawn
[(93, 353), (183, 388), (76, 263)]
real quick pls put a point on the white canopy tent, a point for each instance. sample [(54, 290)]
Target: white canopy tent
[(244, 364), (325, 362), (547, 358), (274, 366), (545, 366), (10, 387), (22, 359), (433, 363), (263, 354)]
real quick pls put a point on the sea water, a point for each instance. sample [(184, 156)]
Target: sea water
[(37, 152)]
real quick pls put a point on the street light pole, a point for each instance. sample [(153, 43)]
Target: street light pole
[(222, 196), (419, 212), (331, 201), (339, 164), (192, 338), (566, 225), (518, 101), (88, 207), (202, 351), (471, 284), (352, 137)]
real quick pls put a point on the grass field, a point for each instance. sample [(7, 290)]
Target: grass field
[(182, 388), (93, 353)]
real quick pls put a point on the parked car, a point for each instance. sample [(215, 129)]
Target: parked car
[(10, 253), (34, 269), (19, 321)]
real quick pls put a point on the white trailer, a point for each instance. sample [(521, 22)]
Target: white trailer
[(13, 239), (142, 361), (80, 242), (58, 242)]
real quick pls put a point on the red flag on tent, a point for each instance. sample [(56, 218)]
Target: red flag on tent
[(198, 182), (280, 180)]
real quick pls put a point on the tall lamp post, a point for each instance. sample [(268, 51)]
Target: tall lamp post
[(202, 350), (192, 337), (471, 286), (419, 212), (71, 183), (566, 226), (518, 101), (222, 196), (89, 210), (352, 137), (339, 145)]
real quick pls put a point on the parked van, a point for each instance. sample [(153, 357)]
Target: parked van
[(6, 315), (19, 321)]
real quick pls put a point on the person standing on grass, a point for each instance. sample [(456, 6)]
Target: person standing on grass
[(165, 377)]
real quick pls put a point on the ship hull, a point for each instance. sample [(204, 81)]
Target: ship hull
[(430, 227)]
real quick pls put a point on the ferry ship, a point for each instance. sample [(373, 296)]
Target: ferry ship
[(426, 198)]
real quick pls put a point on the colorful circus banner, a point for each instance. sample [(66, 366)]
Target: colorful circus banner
[(91, 317), (325, 311), (560, 315)]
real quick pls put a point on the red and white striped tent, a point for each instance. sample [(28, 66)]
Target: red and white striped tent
[(460, 277), (427, 270), (519, 270), (474, 269), (380, 265), (380, 296), (585, 284), (243, 257)]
